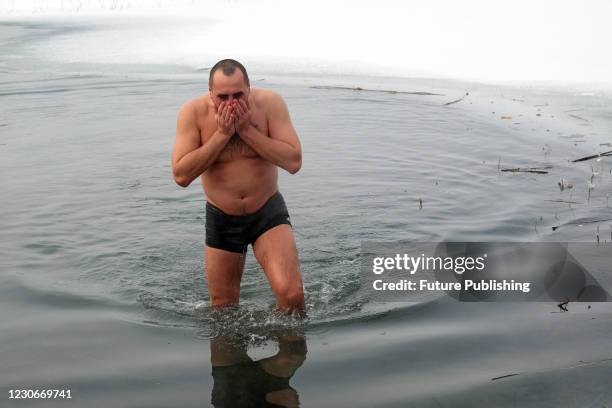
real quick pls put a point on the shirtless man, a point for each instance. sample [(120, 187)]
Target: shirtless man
[(235, 137)]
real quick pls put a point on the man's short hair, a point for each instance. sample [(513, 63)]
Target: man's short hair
[(228, 66)]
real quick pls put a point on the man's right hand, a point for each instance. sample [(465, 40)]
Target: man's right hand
[(225, 117)]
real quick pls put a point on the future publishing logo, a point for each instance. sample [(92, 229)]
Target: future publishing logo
[(422, 263)]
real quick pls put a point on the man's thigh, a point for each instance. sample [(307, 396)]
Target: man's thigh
[(223, 272), (276, 251)]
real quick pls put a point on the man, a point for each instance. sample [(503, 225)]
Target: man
[(235, 137)]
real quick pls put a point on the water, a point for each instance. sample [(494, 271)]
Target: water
[(102, 266)]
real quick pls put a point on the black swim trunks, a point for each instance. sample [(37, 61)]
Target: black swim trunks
[(235, 232)]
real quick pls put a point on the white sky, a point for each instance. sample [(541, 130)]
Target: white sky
[(559, 40)]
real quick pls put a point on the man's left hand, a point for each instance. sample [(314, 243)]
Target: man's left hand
[(242, 110)]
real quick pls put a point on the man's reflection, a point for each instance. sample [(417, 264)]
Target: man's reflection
[(241, 382)]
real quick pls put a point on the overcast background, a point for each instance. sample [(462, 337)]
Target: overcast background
[(523, 40)]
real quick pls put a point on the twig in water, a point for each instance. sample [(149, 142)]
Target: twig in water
[(593, 156), (563, 201), (590, 186), (577, 117), (357, 88), (563, 184), (457, 100), (536, 170), (503, 376), (581, 221)]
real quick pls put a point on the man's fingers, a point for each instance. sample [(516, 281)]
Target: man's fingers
[(235, 106), (239, 110), (225, 115), (221, 110), (243, 105), (228, 113)]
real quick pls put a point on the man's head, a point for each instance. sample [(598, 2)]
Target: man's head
[(228, 80)]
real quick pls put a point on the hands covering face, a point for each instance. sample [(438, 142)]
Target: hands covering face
[(225, 118), (233, 116), (242, 112)]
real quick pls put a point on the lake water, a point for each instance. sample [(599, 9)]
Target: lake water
[(101, 283)]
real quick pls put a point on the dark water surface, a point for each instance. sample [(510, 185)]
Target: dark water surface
[(101, 281)]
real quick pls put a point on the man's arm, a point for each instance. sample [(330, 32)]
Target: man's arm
[(283, 146), (189, 158)]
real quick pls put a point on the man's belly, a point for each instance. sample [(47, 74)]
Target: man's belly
[(240, 186)]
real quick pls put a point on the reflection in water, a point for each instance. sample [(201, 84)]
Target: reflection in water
[(241, 382)]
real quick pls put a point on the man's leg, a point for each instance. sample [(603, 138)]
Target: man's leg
[(277, 254), (224, 272)]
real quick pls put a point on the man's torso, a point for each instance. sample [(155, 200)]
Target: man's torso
[(240, 181)]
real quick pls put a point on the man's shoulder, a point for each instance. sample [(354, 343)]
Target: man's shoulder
[(267, 98), (198, 105), (265, 94)]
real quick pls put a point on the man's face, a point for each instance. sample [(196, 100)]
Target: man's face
[(229, 89)]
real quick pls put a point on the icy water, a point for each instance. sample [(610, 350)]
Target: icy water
[(101, 283)]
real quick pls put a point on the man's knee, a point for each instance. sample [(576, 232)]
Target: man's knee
[(224, 293)]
